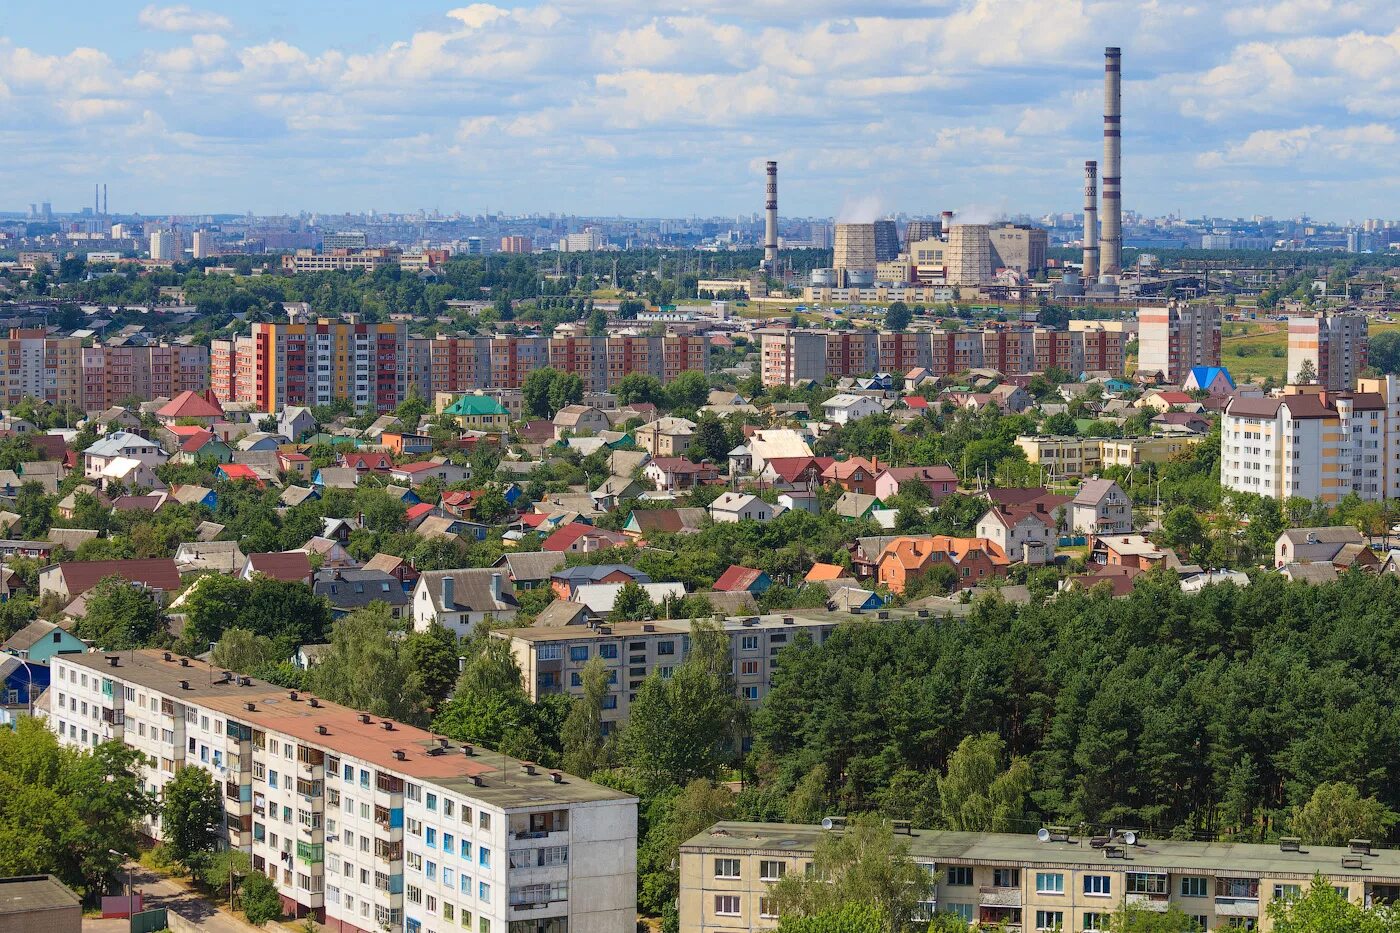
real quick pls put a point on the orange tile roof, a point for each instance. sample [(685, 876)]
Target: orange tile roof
[(822, 571)]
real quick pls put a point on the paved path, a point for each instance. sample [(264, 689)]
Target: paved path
[(162, 892)]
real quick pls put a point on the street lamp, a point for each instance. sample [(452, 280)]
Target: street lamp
[(130, 891)]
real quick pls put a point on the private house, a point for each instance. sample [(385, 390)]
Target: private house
[(416, 474), (295, 422), (736, 579), (1024, 533), (479, 413), (191, 408), (738, 507), (1132, 551), (776, 443), (566, 582), (940, 481), (460, 599), (1213, 379), (854, 475), (1101, 508), (122, 445), (1340, 545), (396, 567), (856, 505), (844, 408), (530, 569), (347, 590), (580, 538), (40, 640), (404, 444), (72, 578), (665, 437), (579, 419), (367, 462), (794, 473), (643, 522), (974, 560), (676, 474), (288, 566)]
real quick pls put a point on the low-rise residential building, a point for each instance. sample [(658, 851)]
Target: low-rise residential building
[(1024, 533), (1020, 882), (845, 408), (579, 419), (1062, 456), (479, 413), (1101, 508), (551, 660), (452, 832), (1135, 451), (738, 507), (940, 481), (904, 558), (1318, 545), (122, 445), (460, 599), (665, 437), (676, 474)]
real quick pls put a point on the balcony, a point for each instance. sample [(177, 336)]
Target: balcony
[(1154, 902), (999, 897), (1237, 907)]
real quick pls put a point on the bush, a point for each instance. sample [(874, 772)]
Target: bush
[(220, 864), (261, 902)]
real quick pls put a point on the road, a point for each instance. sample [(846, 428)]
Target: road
[(161, 892)]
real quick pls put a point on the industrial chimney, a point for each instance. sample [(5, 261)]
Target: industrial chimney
[(1111, 242), (1091, 222), (945, 222), (770, 227)]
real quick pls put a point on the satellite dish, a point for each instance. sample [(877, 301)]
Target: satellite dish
[(1130, 838), (828, 822), (1043, 834)]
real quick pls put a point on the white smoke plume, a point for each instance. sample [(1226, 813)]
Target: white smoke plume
[(862, 210)]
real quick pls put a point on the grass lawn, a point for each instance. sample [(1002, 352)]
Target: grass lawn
[(1259, 349)]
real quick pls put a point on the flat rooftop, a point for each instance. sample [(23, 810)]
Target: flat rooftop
[(31, 893), (417, 754), (1223, 859), (676, 626)]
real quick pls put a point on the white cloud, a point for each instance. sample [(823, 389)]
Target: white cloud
[(182, 18), (1317, 145)]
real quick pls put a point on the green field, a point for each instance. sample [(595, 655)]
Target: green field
[(1257, 350)]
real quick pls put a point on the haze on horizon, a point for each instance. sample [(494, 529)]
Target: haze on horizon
[(1230, 108)]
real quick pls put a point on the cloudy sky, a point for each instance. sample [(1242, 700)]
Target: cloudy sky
[(1232, 107)]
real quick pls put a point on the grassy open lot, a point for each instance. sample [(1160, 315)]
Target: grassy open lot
[(1259, 349)]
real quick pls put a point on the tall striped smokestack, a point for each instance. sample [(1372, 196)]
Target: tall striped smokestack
[(770, 231), (1111, 241), (1091, 221)]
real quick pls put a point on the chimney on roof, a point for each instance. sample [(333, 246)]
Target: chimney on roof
[(250, 706), (114, 660), (399, 754), (184, 662), (448, 591), (315, 703), (364, 718), (293, 696), (184, 685), (467, 750), (556, 777), (166, 655), (321, 730), (386, 725), (528, 767)]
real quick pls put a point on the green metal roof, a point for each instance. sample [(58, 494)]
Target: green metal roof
[(477, 405)]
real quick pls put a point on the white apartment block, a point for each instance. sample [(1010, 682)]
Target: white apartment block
[(551, 660), (1313, 444), (1173, 339), (1334, 344), (364, 823)]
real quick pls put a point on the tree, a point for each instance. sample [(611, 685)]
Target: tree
[(1130, 918), (897, 316), (535, 391), (629, 308), (33, 508), (639, 387), (261, 902), (1336, 812), (364, 668), (678, 726), (121, 615), (598, 323), (192, 812), (976, 795), (566, 390), (1323, 909), (632, 604), (710, 442), (432, 657), (848, 918), (583, 729), (866, 864), (689, 390), (1307, 372), (240, 650), (1182, 529), (1061, 424)]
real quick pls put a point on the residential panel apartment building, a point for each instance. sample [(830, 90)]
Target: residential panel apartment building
[(42, 367), (364, 823), (1017, 881), (551, 660), (1334, 345), (1314, 444), (112, 374), (1174, 339)]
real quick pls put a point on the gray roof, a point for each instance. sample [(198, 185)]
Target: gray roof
[(584, 574), (113, 445), (30, 635), (32, 894), (562, 612), (1310, 573), (351, 589), (1092, 491), (531, 566), (471, 590), (1332, 534)]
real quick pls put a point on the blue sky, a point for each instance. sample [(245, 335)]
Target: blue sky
[(1231, 107)]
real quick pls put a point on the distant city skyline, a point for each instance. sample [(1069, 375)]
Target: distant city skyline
[(985, 107)]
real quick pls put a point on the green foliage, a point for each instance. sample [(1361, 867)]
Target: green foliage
[(191, 815), (632, 604), (240, 650), (288, 612), (898, 316), (1323, 909), (1130, 918), (63, 810), (689, 390), (975, 795), (850, 917), (490, 706), (547, 390), (121, 615), (582, 736), (367, 667), (1336, 813), (670, 819), (639, 387), (259, 898), (864, 865), (432, 657), (219, 866)]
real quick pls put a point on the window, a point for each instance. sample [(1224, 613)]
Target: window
[(727, 905), (483, 890), (771, 870), (578, 652), (963, 911), (959, 875), (1049, 919), (726, 868), (1049, 883), (549, 652), (766, 908), (1201, 921), (483, 857), (449, 844), (748, 643), (1006, 877), (1098, 884), (484, 821), (432, 838), (1286, 891), (1193, 886), (1144, 883), (1095, 921), (1241, 923), (665, 647), (607, 651), (432, 803), (751, 693)]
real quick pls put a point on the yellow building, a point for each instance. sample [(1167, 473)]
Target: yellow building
[(1066, 883), (315, 364), (1135, 451), (1061, 455)]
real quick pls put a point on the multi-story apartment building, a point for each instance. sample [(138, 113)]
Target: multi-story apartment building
[(790, 357), (551, 660), (42, 367), (1333, 345), (1104, 345), (308, 260), (112, 374), (1312, 443), (1173, 339), (313, 364), (365, 823), (1021, 883)]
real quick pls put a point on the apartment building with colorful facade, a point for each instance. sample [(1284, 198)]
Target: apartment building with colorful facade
[(364, 823)]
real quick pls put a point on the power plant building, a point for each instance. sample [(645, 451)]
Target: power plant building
[(886, 241), (968, 257), (854, 252)]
